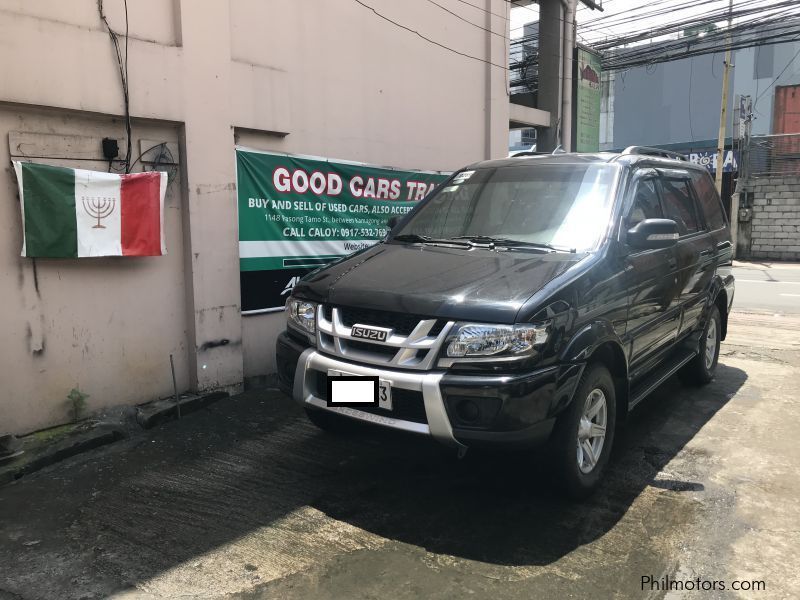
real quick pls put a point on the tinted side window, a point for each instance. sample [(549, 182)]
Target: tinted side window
[(679, 205), (709, 200), (645, 203)]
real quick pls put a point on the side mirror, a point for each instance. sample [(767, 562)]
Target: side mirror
[(392, 222), (651, 234)]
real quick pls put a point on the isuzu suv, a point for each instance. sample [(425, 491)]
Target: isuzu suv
[(525, 301)]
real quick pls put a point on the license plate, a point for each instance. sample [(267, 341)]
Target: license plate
[(346, 389)]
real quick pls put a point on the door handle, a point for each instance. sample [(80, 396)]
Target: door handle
[(673, 263)]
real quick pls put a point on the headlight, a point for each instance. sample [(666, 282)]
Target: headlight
[(302, 314), (477, 339)]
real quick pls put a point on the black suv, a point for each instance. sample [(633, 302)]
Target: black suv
[(527, 300)]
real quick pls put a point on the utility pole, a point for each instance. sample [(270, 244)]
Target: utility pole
[(723, 114), (743, 134)]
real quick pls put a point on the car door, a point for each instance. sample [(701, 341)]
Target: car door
[(694, 252), (653, 317)]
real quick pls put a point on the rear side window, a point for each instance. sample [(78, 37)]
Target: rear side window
[(679, 205), (709, 200), (645, 203)]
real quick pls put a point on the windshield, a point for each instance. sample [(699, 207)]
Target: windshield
[(565, 206)]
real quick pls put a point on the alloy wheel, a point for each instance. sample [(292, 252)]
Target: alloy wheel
[(711, 343), (592, 430)]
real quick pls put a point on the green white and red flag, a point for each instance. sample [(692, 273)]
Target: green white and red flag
[(74, 213)]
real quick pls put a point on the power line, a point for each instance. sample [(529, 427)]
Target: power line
[(459, 17), (707, 19), (484, 10), (427, 39), (774, 81), (680, 49), (512, 3)]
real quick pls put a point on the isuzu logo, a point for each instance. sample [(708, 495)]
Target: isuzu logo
[(379, 334)]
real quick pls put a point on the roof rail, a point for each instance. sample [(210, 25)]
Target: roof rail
[(558, 150), (648, 151), (528, 153)]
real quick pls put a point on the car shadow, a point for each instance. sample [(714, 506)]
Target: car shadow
[(505, 508)]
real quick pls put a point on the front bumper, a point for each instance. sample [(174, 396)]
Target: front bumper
[(459, 410)]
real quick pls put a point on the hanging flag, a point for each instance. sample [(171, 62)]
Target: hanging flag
[(73, 213)]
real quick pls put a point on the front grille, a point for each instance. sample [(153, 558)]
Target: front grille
[(407, 405), (388, 351), (413, 344), (402, 323)]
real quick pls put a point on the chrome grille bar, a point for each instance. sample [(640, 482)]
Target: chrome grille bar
[(417, 350)]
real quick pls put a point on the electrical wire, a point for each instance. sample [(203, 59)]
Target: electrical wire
[(774, 81), (429, 40), (127, 95), (484, 10), (459, 17), (123, 73), (689, 112)]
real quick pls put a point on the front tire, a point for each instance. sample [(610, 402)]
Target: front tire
[(702, 368), (583, 436)]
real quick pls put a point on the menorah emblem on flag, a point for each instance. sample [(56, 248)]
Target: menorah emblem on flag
[(98, 207)]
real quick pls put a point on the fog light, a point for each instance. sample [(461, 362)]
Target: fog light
[(468, 411)]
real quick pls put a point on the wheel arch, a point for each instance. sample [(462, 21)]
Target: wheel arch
[(610, 354), (720, 294), (599, 343)]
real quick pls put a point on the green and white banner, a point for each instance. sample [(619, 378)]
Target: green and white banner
[(297, 213), (588, 98)]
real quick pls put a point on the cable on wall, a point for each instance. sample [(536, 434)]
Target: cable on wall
[(122, 64)]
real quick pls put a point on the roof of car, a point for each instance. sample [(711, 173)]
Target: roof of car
[(581, 158)]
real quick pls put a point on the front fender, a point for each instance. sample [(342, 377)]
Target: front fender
[(588, 339)]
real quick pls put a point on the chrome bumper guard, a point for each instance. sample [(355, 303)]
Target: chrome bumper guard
[(427, 383)]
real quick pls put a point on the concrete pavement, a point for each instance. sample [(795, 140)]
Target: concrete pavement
[(246, 499)]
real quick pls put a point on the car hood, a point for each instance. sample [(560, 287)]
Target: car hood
[(438, 281)]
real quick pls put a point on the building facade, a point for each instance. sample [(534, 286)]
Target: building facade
[(334, 79), (676, 104)]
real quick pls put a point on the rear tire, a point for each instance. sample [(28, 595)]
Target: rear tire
[(702, 368), (328, 421), (584, 434)]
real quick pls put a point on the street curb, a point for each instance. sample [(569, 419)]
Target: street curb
[(53, 453), (161, 411)]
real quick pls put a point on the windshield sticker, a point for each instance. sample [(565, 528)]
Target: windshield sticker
[(462, 177)]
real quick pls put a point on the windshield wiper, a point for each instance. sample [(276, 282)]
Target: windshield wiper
[(424, 239), (509, 243)]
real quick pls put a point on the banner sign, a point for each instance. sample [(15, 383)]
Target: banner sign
[(587, 101), (709, 158), (298, 213)]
